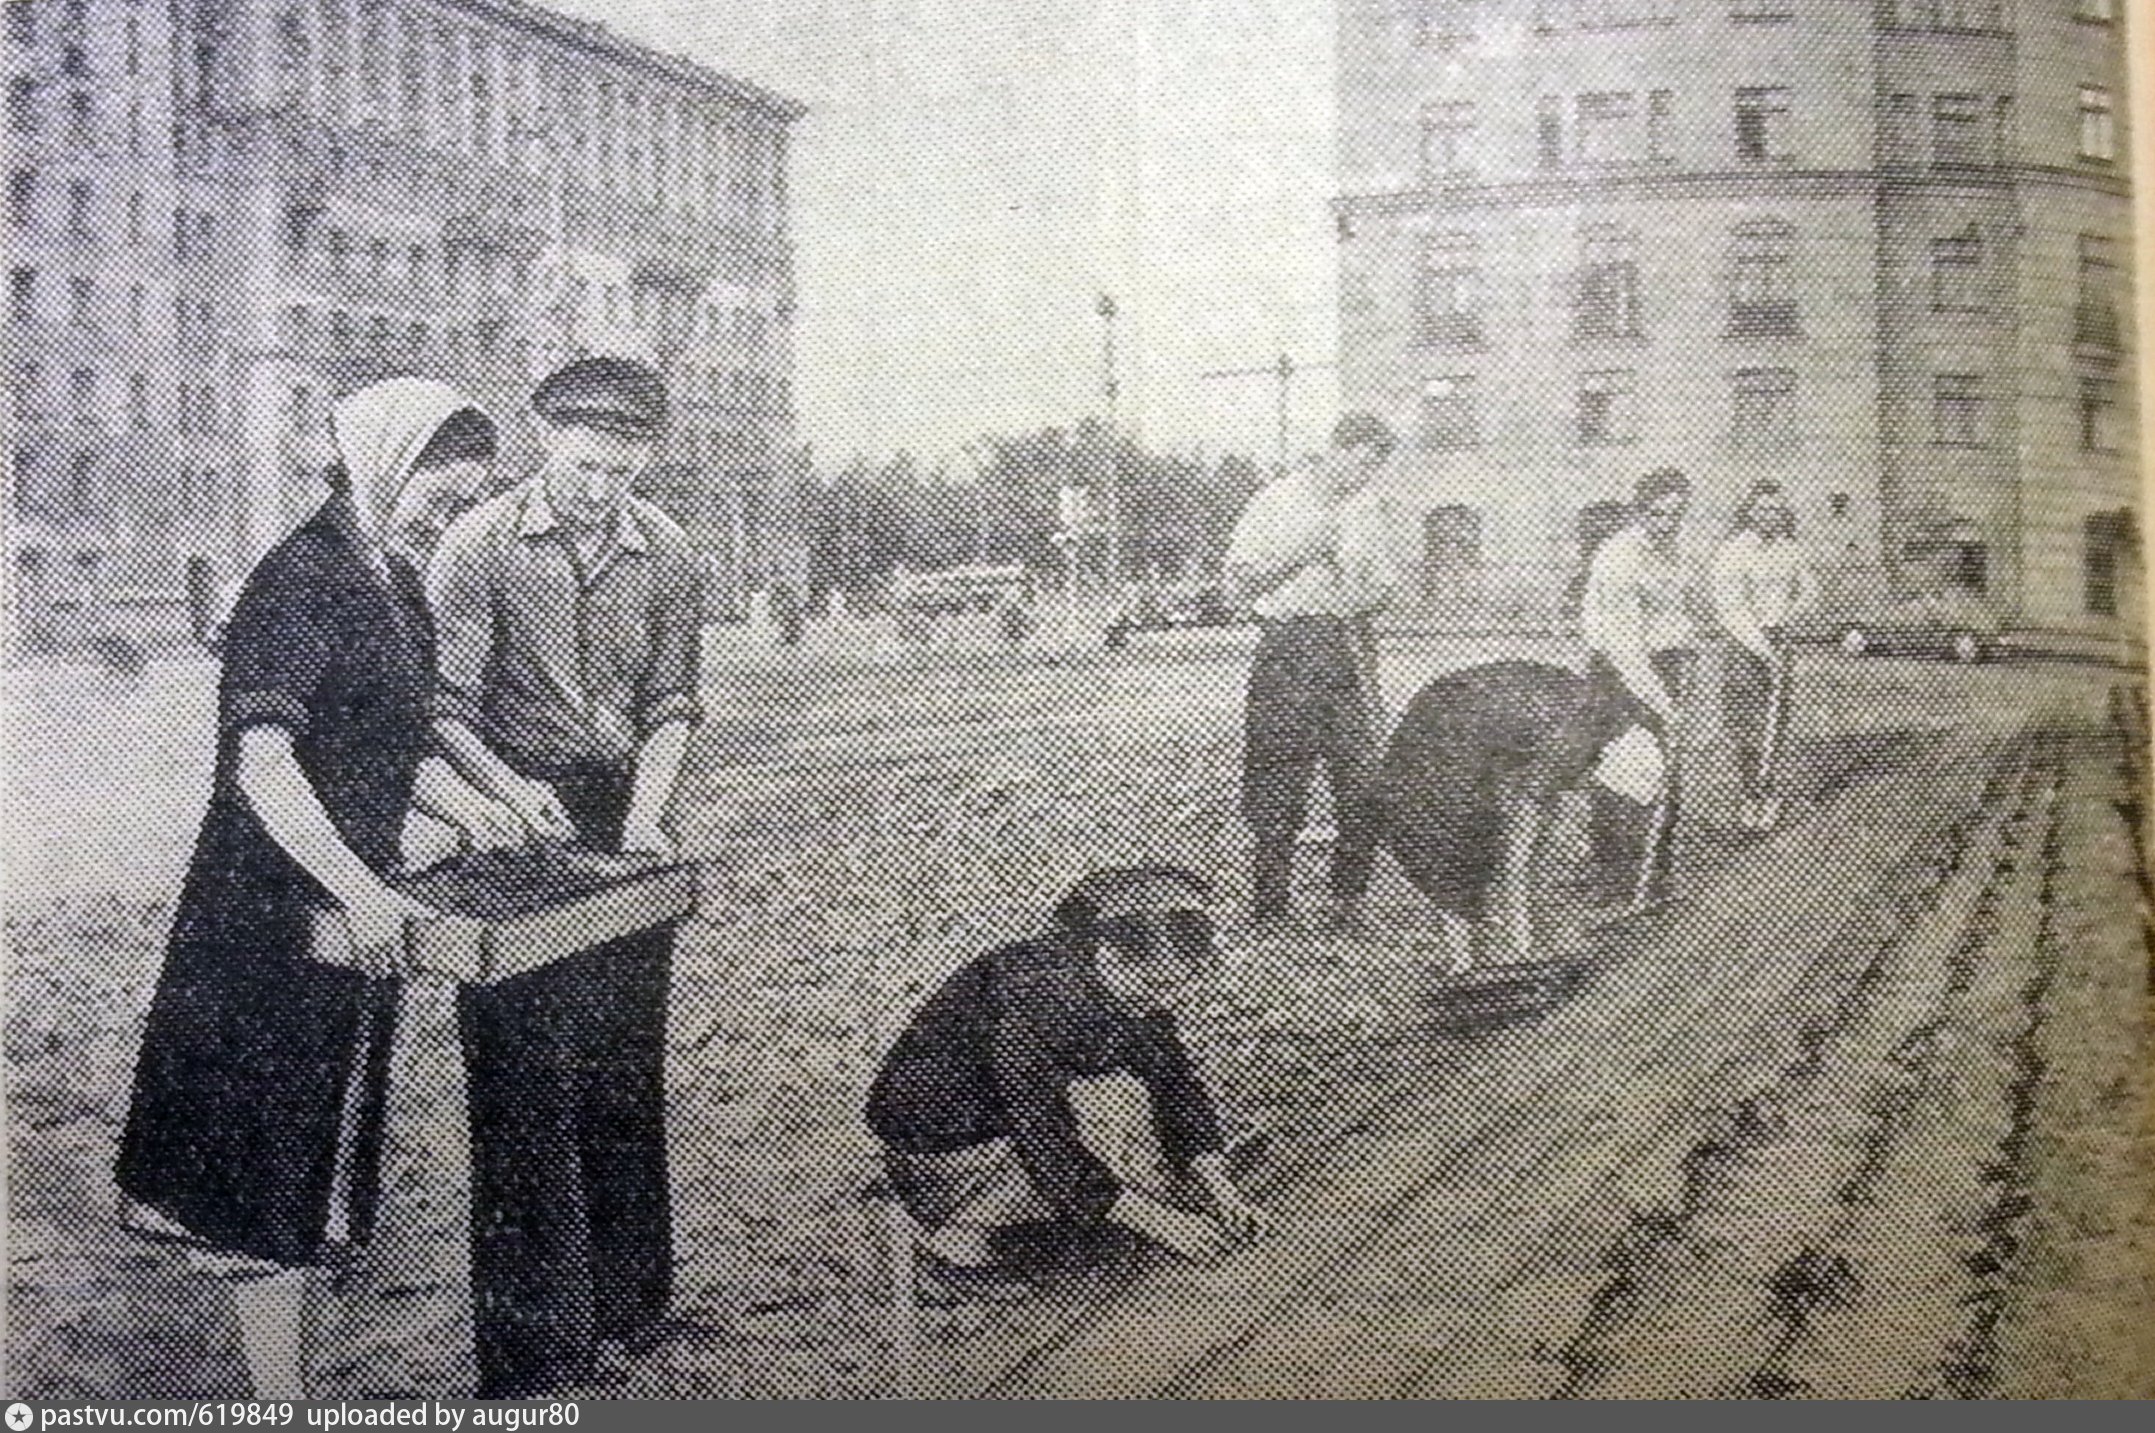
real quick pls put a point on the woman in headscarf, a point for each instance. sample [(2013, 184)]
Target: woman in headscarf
[(254, 1132)]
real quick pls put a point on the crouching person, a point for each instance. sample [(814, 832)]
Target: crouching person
[(1046, 1083)]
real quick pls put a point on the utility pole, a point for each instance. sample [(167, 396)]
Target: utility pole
[(1106, 309), (1283, 369)]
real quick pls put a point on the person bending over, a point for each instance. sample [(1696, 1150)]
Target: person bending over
[(1464, 791), (1046, 1082)]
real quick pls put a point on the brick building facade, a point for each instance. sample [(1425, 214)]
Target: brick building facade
[(1877, 250), (227, 213)]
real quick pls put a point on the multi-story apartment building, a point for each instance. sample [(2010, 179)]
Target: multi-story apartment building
[(226, 213), (1877, 250)]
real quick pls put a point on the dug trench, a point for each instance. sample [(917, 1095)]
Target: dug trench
[(1820, 1160)]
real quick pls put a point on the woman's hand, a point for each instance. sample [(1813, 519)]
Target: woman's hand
[(1242, 1220), (540, 809), (490, 825), (380, 918)]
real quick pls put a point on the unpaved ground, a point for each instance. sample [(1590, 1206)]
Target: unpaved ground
[(1935, 1115)]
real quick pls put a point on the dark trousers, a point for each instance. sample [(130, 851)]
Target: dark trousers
[(1632, 846), (1312, 698), (1755, 711), (571, 1210)]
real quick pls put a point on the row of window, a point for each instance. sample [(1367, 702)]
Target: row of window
[(472, 90), (460, 90), (65, 487), (1761, 285), (1444, 23), (1761, 408), (196, 407), (1609, 129)]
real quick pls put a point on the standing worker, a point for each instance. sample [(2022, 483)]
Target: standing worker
[(253, 1139), (1761, 579), (570, 617), (1305, 558), (1638, 639)]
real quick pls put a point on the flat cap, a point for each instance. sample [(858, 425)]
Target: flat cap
[(613, 395)]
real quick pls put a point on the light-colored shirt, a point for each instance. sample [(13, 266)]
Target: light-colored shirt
[(1633, 608), (555, 662), (1759, 585), (1342, 548)]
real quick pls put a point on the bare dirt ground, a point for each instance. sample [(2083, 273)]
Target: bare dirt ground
[(1868, 1115)]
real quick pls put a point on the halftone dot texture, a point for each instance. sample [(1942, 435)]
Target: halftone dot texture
[(1867, 1110)]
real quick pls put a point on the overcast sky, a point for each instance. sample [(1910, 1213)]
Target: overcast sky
[(974, 173)]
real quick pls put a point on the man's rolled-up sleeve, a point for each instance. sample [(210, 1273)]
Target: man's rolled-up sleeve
[(675, 674), (460, 595), (1035, 1092), (279, 643), (1182, 1107)]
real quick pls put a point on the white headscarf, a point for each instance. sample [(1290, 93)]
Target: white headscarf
[(380, 432)]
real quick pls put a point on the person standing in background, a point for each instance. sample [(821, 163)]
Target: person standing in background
[(1638, 639), (1299, 557), (1761, 578)]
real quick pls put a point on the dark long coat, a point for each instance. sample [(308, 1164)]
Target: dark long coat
[(250, 1047), (1470, 741)]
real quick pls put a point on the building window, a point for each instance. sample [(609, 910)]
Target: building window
[(81, 299), (1448, 291), (2098, 128), (1762, 286), (1957, 410), (1957, 131), (1450, 422), (1447, 140), (134, 308), (2108, 539), (78, 118), (1606, 305), (82, 495), (29, 382), (1902, 131), (1763, 407), (2098, 415), (1957, 272), (1602, 414), (2095, 308), (82, 397), (74, 63), (1961, 15), (1444, 22), (138, 402), (80, 201), (1761, 125), (22, 198), (22, 22), (22, 102), (1603, 14), (1549, 132), (1612, 128)]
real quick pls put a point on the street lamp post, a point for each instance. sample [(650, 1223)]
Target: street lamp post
[(1106, 309)]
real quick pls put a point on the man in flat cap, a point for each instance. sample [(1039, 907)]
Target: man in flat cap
[(1309, 557), (1046, 1084), (569, 617)]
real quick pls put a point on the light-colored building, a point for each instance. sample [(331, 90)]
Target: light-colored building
[(1879, 252), (227, 213)]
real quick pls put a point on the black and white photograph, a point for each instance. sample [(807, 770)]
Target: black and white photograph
[(1075, 699)]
